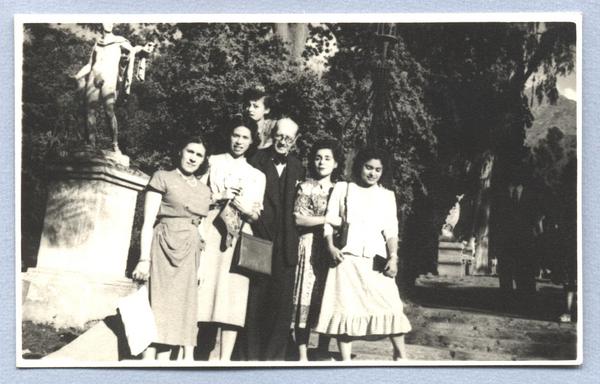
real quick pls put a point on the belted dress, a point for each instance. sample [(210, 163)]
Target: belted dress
[(175, 253)]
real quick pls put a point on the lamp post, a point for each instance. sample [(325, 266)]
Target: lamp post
[(382, 121), (377, 104)]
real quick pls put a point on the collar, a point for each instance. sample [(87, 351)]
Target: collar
[(241, 159)]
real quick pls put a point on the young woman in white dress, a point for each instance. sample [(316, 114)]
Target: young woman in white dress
[(238, 190), (361, 298)]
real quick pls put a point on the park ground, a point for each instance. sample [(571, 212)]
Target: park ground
[(453, 319)]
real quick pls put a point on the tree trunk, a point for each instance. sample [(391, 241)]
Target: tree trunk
[(294, 34), (481, 224)]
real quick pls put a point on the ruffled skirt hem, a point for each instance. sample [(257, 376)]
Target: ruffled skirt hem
[(365, 325)]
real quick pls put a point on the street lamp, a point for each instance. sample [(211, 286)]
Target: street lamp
[(378, 104), (387, 33)]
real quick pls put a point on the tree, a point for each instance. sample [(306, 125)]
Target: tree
[(355, 72), (194, 84), (477, 77), (50, 118)]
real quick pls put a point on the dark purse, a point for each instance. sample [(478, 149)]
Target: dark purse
[(340, 238), (253, 255)]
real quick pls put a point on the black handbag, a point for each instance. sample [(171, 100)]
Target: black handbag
[(340, 238), (253, 255)]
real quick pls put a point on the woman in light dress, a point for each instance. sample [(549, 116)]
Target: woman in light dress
[(175, 203), (326, 160), (361, 299), (238, 190)]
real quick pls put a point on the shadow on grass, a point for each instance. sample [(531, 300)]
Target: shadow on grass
[(546, 304)]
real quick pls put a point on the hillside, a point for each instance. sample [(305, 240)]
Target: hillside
[(562, 115)]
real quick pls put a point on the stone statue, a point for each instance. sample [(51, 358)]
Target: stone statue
[(111, 67), (452, 218)]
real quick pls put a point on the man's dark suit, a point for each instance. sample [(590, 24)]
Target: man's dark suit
[(268, 316), (516, 219)]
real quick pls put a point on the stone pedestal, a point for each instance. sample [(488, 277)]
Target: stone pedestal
[(81, 262), (451, 261)]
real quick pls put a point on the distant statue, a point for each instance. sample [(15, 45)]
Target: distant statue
[(111, 65), (452, 218)]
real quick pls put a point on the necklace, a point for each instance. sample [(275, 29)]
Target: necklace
[(191, 180)]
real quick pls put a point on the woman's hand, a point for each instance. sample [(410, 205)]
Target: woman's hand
[(336, 254), (391, 267), (142, 270), (246, 208), (226, 194)]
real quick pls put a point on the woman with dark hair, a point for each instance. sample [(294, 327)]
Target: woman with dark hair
[(238, 190), (325, 163), (176, 201), (361, 299)]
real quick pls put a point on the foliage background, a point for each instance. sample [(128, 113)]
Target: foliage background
[(453, 86)]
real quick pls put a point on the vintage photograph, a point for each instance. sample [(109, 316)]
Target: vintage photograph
[(223, 190)]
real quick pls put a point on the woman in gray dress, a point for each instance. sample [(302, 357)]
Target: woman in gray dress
[(176, 201)]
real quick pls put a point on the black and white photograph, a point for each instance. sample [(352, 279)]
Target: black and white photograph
[(298, 190)]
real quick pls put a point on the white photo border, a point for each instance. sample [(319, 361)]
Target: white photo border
[(19, 20)]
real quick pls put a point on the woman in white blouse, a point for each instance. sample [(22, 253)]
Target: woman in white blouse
[(361, 299), (237, 190)]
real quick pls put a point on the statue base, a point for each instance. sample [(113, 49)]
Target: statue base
[(82, 259), (92, 155), (451, 260), (71, 299)]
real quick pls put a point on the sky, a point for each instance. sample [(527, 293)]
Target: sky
[(567, 86)]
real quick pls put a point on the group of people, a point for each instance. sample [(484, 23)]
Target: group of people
[(334, 255)]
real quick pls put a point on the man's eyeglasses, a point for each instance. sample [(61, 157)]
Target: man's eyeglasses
[(285, 139)]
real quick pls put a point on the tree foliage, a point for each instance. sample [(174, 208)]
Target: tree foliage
[(194, 84), (477, 75), (457, 89), (352, 72)]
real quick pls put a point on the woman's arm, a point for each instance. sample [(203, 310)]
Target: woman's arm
[(390, 232), (151, 207), (302, 209), (250, 211), (391, 267), (333, 219), (333, 215), (308, 221), (336, 254)]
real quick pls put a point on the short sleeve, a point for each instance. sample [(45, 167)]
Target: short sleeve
[(157, 182), (390, 229)]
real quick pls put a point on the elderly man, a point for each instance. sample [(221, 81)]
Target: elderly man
[(270, 298)]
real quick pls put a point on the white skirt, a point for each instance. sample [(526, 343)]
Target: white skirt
[(359, 301)]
